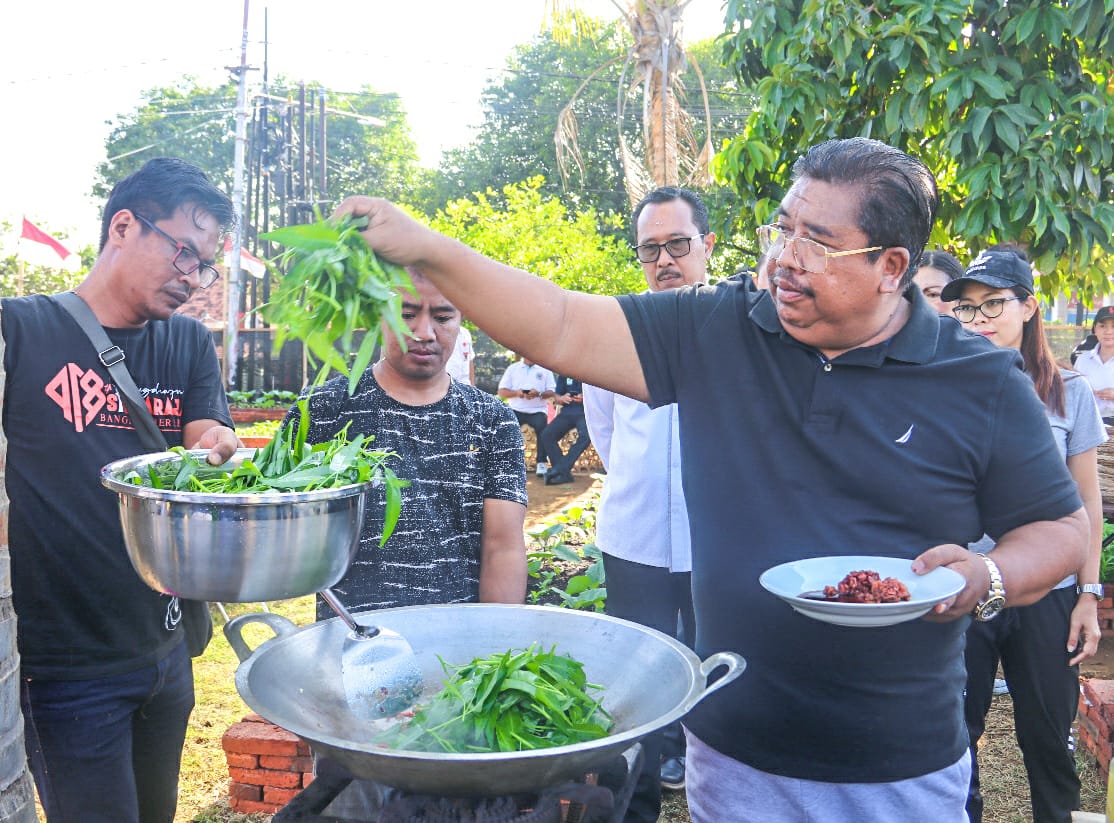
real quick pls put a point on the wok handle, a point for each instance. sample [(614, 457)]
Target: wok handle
[(233, 630), (735, 664)]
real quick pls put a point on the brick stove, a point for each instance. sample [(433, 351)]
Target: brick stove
[(267, 766)]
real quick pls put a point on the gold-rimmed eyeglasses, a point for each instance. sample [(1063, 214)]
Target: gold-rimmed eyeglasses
[(807, 254), (185, 259)]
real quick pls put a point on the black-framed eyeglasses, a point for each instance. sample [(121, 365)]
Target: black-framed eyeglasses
[(807, 254), (677, 247), (989, 308), (185, 259)]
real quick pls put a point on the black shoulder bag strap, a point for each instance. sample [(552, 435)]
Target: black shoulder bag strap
[(112, 358), (197, 622)]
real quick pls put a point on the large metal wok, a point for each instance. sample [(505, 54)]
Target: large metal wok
[(649, 680)]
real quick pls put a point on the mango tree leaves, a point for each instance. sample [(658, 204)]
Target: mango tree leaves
[(1011, 106)]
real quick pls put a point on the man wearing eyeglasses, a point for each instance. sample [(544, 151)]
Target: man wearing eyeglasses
[(642, 525), (834, 414), (107, 683)]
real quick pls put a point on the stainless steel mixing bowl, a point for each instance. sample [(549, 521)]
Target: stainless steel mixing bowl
[(236, 548)]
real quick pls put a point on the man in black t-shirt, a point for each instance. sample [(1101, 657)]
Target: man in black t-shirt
[(459, 537), (107, 683), (834, 413)]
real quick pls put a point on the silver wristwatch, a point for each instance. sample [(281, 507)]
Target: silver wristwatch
[(1091, 588), (995, 600)]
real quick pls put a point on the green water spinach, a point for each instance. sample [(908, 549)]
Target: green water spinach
[(333, 286), (514, 701), (286, 464)]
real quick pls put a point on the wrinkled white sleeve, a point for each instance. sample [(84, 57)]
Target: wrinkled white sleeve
[(599, 411)]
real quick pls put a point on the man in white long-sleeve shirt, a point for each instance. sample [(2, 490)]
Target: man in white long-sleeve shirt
[(642, 526)]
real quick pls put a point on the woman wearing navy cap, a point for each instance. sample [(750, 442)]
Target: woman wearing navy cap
[(1040, 645), (1097, 364)]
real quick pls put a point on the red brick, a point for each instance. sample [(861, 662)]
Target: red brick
[(279, 796), (242, 791), (266, 777), (1100, 693), (1089, 709), (286, 764), (1096, 719), (307, 778), (251, 806), (260, 738), (242, 761)]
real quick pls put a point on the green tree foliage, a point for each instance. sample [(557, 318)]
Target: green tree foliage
[(516, 138), (526, 228), (197, 124), (1010, 105), (364, 157), (186, 120)]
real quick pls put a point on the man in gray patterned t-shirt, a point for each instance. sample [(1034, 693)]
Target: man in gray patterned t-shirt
[(459, 537)]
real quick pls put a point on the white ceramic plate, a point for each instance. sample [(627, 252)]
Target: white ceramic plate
[(788, 580)]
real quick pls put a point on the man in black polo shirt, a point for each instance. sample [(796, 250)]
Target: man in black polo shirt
[(834, 414)]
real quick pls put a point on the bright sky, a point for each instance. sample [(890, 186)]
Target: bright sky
[(68, 68)]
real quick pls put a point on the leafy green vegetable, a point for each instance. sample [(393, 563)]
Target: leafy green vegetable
[(286, 464), (333, 286), (515, 701)]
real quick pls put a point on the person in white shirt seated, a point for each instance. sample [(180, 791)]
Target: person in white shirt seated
[(527, 388)]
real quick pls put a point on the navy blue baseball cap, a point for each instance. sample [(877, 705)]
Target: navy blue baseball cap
[(1105, 313), (997, 269)]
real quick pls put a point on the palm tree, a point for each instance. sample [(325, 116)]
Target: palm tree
[(672, 153)]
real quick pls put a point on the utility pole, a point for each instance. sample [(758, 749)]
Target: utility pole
[(232, 315)]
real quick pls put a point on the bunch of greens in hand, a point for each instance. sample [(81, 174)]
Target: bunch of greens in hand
[(507, 702), (286, 464), (334, 285)]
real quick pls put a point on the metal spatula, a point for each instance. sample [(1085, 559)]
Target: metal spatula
[(378, 669)]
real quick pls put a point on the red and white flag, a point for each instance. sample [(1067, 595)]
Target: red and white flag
[(248, 261), (40, 249)]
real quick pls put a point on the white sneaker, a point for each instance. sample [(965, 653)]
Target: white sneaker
[(541, 469), (1000, 686)]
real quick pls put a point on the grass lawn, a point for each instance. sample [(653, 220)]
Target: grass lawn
[(203, 789)]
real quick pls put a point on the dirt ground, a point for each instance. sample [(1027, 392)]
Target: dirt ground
[(546, 501), (1100, 666)]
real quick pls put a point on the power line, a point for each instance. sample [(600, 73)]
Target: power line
[(169, 139)]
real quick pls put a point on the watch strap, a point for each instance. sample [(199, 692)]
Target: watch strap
[(1091, 588), (997, 586)]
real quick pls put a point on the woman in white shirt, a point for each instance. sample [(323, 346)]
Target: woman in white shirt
[(1097, 364)]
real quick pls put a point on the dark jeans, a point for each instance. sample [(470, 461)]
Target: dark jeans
[(562, 424), (1029, 640), (536, 421), (109, 750), (654, 597)]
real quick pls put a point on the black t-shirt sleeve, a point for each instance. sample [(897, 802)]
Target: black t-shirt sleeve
[(1026, 478), (655, 324), (206, 398)]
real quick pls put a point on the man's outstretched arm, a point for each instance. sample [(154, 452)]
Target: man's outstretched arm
[(579, 335)]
